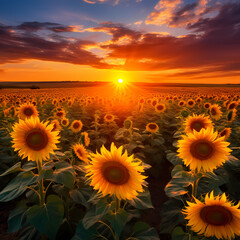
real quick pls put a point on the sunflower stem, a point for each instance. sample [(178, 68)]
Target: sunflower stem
[(40, 184)]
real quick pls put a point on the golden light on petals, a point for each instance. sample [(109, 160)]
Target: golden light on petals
[(27, 110), (34, 139), (197, 122), (80, 152), (115, 173), (152, 127), (76, 126), (215, 217), (203, 150)]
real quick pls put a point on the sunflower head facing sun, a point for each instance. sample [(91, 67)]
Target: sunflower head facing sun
[(197, 122), (115, 173), (34, 139), (203, 150), (27, 111), (216, 217)]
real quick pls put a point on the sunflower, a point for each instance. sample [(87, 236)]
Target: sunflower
[(191, 103), (225, 133), (232, 115), (109, 118), (181, 103), (114, 173), (216, 217), (85, 138), (159, 108), (80, 152), (207, 105), (56, 125), (203, 150), (76, 126), (65, 122), (154, 102), (27, 110), (152, 127), (215, 112), (232, 105), (34, 139), (60, 114), (197, 123)]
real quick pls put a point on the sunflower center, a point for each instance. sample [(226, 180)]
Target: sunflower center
[(79, 152), (64, 122), (28, 111), (36, 139), (109, 117), (202, 149), (197, 126), (115, 173), (213, 111), (216, 215), (152, 126), (59, 114), (160, 107), (190, 102), (76, 125)]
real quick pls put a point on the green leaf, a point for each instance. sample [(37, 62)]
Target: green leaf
[(85, 234), (64, 174), (140, 226), (146, 234), (118, 220), (171, 215), (14, 168), (17, 186), (16, 217), (47, 218), (173, 158), (142, 201), (96, 213), (179, 234)]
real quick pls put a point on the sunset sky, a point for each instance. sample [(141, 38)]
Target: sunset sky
[(192, 41)]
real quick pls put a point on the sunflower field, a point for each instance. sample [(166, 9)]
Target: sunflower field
[(163, 165)]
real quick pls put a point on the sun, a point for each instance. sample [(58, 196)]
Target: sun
[(120, 80)]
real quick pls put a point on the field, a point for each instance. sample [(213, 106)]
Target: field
[(102, 162)]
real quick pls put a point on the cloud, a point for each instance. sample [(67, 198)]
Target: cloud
[(38, 26), (175, 13), (117, 30), (215, 45), (16, 46)]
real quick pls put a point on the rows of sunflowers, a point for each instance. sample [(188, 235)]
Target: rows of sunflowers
[(84, 167)]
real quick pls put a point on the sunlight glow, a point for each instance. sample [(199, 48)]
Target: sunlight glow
[(120, 80)]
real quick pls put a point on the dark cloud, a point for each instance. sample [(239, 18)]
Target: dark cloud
[(117, 30), (17, 46), (38, 26), (215, 44)]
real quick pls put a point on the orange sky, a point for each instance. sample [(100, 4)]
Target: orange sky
[(192, 41)]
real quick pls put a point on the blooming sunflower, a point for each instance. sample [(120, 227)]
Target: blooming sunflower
[(215, 112), (27, 110), (114, 173), (232, 115), (181, 103), (80, 152), (225, 133), (85, 138), (34, 139), (207, 105), (60, 114), (56, 125), (64, 122), (159, 108), (196, 122), (232, 105), (152, 127), (203, 150), (109, 118), (76, 126), (216, 217), (191, 103)]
